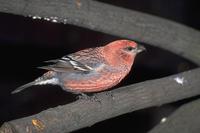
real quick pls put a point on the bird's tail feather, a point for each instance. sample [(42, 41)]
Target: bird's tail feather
[(23, 87), (47, 78)]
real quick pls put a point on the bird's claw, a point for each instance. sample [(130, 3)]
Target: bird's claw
[(110, 94), (87, 97), (83, 96)]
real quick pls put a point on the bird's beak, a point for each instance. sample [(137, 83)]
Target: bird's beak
[(140, 48)]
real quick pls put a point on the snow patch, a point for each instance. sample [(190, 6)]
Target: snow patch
[(164, 119), (180, 80)]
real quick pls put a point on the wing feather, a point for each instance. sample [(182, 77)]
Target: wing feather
[(66, 63)]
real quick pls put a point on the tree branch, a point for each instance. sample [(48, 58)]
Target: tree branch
[(105, 105), (186, 119), (106, 18)]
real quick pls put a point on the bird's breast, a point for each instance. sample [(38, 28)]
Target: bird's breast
[(94, 82)]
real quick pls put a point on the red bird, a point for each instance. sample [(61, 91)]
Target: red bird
[(92, 69)]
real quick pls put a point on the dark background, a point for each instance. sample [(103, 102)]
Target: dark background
[(25, 43)]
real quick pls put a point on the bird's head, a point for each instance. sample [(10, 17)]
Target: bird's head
[(122, 52)]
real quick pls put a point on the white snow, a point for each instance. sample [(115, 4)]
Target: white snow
[(180, 80), (164, 119)]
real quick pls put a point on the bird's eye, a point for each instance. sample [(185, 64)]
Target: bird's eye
[(129, 48)]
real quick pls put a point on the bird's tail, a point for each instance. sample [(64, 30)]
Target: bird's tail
[(47, 78), (23, 87)]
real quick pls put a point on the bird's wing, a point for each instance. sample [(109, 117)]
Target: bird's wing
[(67, 63)]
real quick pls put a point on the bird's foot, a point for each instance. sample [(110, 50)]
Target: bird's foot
[(84, 96), (110, 94)]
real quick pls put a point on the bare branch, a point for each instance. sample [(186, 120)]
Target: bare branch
[(105, 105), (106, 18), (186, 119)]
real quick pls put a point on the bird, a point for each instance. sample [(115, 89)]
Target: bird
[(90, 70)]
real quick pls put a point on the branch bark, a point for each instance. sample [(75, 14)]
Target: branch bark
[(113, 20), (105, 105), (186, 119)]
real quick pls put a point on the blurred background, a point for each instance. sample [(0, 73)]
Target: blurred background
[(25, 43)]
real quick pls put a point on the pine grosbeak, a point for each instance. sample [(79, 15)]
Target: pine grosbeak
[(92, 69)]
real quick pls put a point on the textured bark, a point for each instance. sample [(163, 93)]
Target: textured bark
[(86, 112)]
